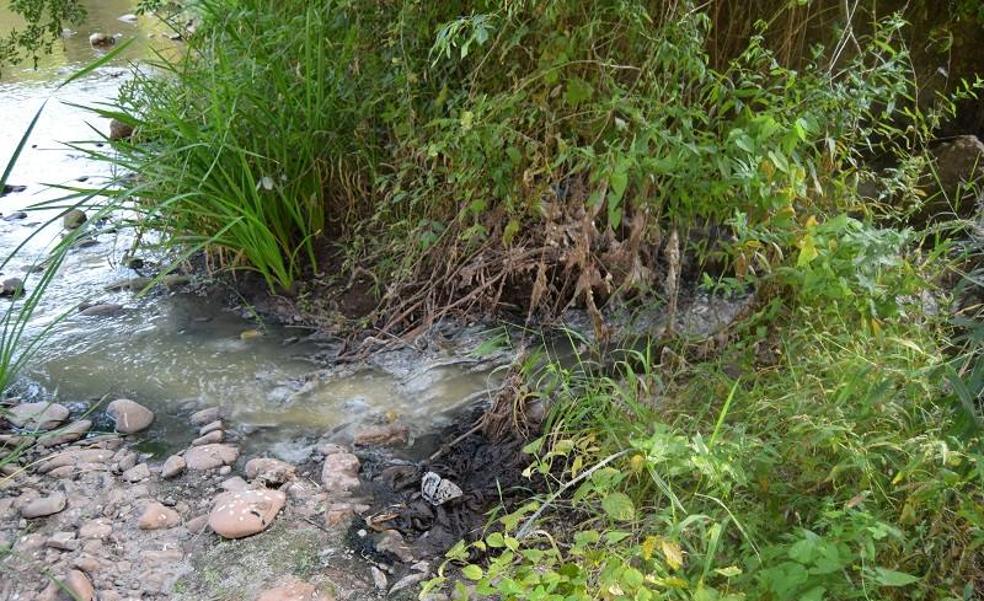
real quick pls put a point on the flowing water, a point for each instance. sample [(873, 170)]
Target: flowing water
[(172, 352)]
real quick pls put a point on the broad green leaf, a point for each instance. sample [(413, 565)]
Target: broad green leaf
[(618, 506), (887, 577), (472, 572)]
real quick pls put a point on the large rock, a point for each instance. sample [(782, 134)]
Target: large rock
[(37, 416), (156, 516), (69, 433), (292, 589), (340, 473), (246, 512), (129, 416), (959, 163), (211, 456), (270, 472), (45, 506)]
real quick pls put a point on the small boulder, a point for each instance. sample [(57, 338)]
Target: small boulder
[(210, 427), (44, 506), (174, 465), (137, 473), (340, 473), (12, 287), (63, 541), (119, 130), (391, 541), (69, 433), (205, 416), (211, 456), (388, 435), (246, 512), (74, 219), (213, 437), (74, 587), (37, 416), (291, 588), (101, 310), (101, 40), (270, 472), (129, 416), (156, 516)]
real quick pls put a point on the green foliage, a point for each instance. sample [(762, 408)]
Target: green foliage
[(45, 20)]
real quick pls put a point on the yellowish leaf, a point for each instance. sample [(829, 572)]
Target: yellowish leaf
[(673, 554)]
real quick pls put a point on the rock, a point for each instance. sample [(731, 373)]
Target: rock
[(101, 310), (959, 162), (119, 130), (128, 18), (213, 437), (95, 529), (174, 465), (233, 484), (437, 491), (74, 457), (137, 473), (16, 216), (156, 516), (74, 587), (64, 541), (407, 581), (292, 589), (9, 189), (130, 416), (211, 456), (101, 40), (391, 541), (340, 473), (37, 416), (44, 506), (174, 280), (12, 287), (197, 524), (74, 219), (378, 578), (339, 514), (244, 513), (205, 416), (210, 427), (270, 472), (389, 435), (69, 433)]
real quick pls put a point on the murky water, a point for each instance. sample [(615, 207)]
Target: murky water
[(168, 348)]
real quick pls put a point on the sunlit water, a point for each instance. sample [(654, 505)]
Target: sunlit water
[(171, 352)]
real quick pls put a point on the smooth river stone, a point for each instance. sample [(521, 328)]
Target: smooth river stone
[(174, 465), (44, 506), (69, 433), (129, 416), (156, 516), (205, 416), (292, 589), (246, 512), (37, 416), (211, 456)]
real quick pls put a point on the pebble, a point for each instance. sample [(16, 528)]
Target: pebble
[(391, 541), (174, 466), (244, 513), (37, 416), (75, 587), (234, 484), (156, 516), (64, 541), (210, 427), (95, 529), (44, 506), (197, 524), (129, 416), (119, 130), (379, 578), (12, 287)]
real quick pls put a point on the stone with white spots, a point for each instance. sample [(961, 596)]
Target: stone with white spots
[(211, 456), (156, 516), (246, 512)]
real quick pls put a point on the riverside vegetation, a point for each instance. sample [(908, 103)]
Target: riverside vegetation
[(518, 158)]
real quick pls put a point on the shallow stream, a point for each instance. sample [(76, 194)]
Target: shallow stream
[(172, 351)]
